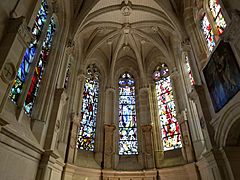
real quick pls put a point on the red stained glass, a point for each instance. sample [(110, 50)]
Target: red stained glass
[(167, 111)]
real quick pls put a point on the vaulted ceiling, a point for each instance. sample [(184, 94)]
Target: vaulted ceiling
[(137, 29)]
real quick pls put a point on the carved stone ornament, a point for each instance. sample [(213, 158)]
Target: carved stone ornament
[(55, 6), (126, 8), (8, 72), (70, 46), (186, 45), (19, 25), (231, 33)]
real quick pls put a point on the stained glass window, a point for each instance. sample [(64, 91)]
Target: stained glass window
[(189, 71), (39, 69), (171, 136), (86, 136), (208, 32), (128, 143), (218, 18), (30, 52)]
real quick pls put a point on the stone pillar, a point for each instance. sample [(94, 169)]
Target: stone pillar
[(12, 48), (108, 146), (148, 146), (50, 156), (71, 151), (193, 118), (110, 105), (59, 101), (186, 138)]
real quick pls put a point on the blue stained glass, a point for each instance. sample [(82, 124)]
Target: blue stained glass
[(30, 52), (167, 111), (86, 135), (128, 144)]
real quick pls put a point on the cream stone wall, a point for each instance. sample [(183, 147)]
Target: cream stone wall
[(117, 36)]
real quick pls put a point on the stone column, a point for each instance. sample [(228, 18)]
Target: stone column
[(193, 119), (12, 48), (59, 101), (213, 160), (110, 105), (186, 138), (50, 156), (148, 146), (108, 146), (145, 135), (71, 152)]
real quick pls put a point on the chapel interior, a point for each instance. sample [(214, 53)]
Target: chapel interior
[(120, 90)]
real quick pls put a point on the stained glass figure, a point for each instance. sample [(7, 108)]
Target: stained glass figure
[(30, 52), (87, 131), (218, 18), (128, 144), (171, 136), (208, 33), (39, 69), (189, 71)]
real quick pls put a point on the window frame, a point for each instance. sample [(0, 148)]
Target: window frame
[(19, 104)]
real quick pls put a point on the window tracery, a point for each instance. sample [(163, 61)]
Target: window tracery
[(87, 131), (170, 129), (128, 144)]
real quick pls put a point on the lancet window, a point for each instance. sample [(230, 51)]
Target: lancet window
[(170, 129), (28, 63), (87, 131), (128, 144)]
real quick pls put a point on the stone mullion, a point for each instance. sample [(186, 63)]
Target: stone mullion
[(28, 81), (12, 50)]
